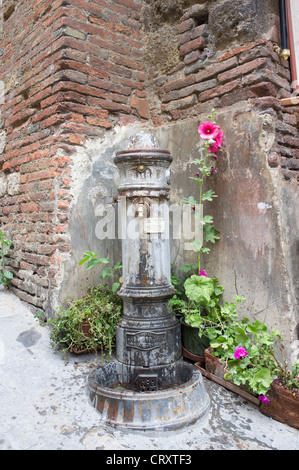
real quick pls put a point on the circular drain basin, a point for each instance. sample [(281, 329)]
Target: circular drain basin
[(183, 402)]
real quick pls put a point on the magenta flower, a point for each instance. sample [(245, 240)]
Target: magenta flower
[(214, 148), (218, 142), (264, 399), (240, 352), (203, 273), (218, 138), (213, 170), (207, 130)]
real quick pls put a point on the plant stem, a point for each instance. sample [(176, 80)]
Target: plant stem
[(200, 200)]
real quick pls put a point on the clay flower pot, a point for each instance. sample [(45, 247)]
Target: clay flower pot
[(283, 405), (215, 369), (214, 365)]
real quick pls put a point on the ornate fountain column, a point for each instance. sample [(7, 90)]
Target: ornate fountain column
[(149, 336)]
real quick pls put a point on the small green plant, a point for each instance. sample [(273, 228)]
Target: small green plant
[(249, 352), (5, 275), (93, 260), (88, 323)]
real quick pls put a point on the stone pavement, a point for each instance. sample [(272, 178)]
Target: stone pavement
[(44, 403)]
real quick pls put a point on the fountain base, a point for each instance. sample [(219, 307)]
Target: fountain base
[(181, 401)]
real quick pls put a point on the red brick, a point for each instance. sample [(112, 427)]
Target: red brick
[(186, 25), (94, 121), (126, 62), (242, 69), (179, 83), (141, 106), (9, 209), (29, 207), (109, 105), (220, 90), (238, 50), (215, 69), (232, 98), (185, 37), (198, 43)]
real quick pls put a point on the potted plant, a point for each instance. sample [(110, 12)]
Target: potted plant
[(87, 324), (203, 312), (246, 355), (281, 401)]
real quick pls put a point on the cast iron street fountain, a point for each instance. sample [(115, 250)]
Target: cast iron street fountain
[(148, 386)]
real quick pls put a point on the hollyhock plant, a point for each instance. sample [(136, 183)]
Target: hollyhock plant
[(203, 292), (212, 138)]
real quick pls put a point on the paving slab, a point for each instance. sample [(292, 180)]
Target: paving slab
[(44, 402)]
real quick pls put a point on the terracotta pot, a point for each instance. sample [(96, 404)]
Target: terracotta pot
[(86, 329), (283, 405), (214, 365), (216, 369), (87, 333)]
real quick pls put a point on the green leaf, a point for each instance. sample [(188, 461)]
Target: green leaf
[(188, 267), (115, 286), (118, 265), (208, 195), (212, 333), (197, 161), (207, 219), (106, 272), (7, 274), (257, 327), (190, 200), (210, 234), (92, 263), (199, 288), (264, 377)]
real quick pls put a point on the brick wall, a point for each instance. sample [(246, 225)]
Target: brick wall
[(251, 73), (72, 69)]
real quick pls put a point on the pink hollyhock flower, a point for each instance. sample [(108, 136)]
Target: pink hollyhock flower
[(207, 130), (203, 273), (218, 142), (240, 352), (264, 399), (213, 170), (218, 138), (214, 148)]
